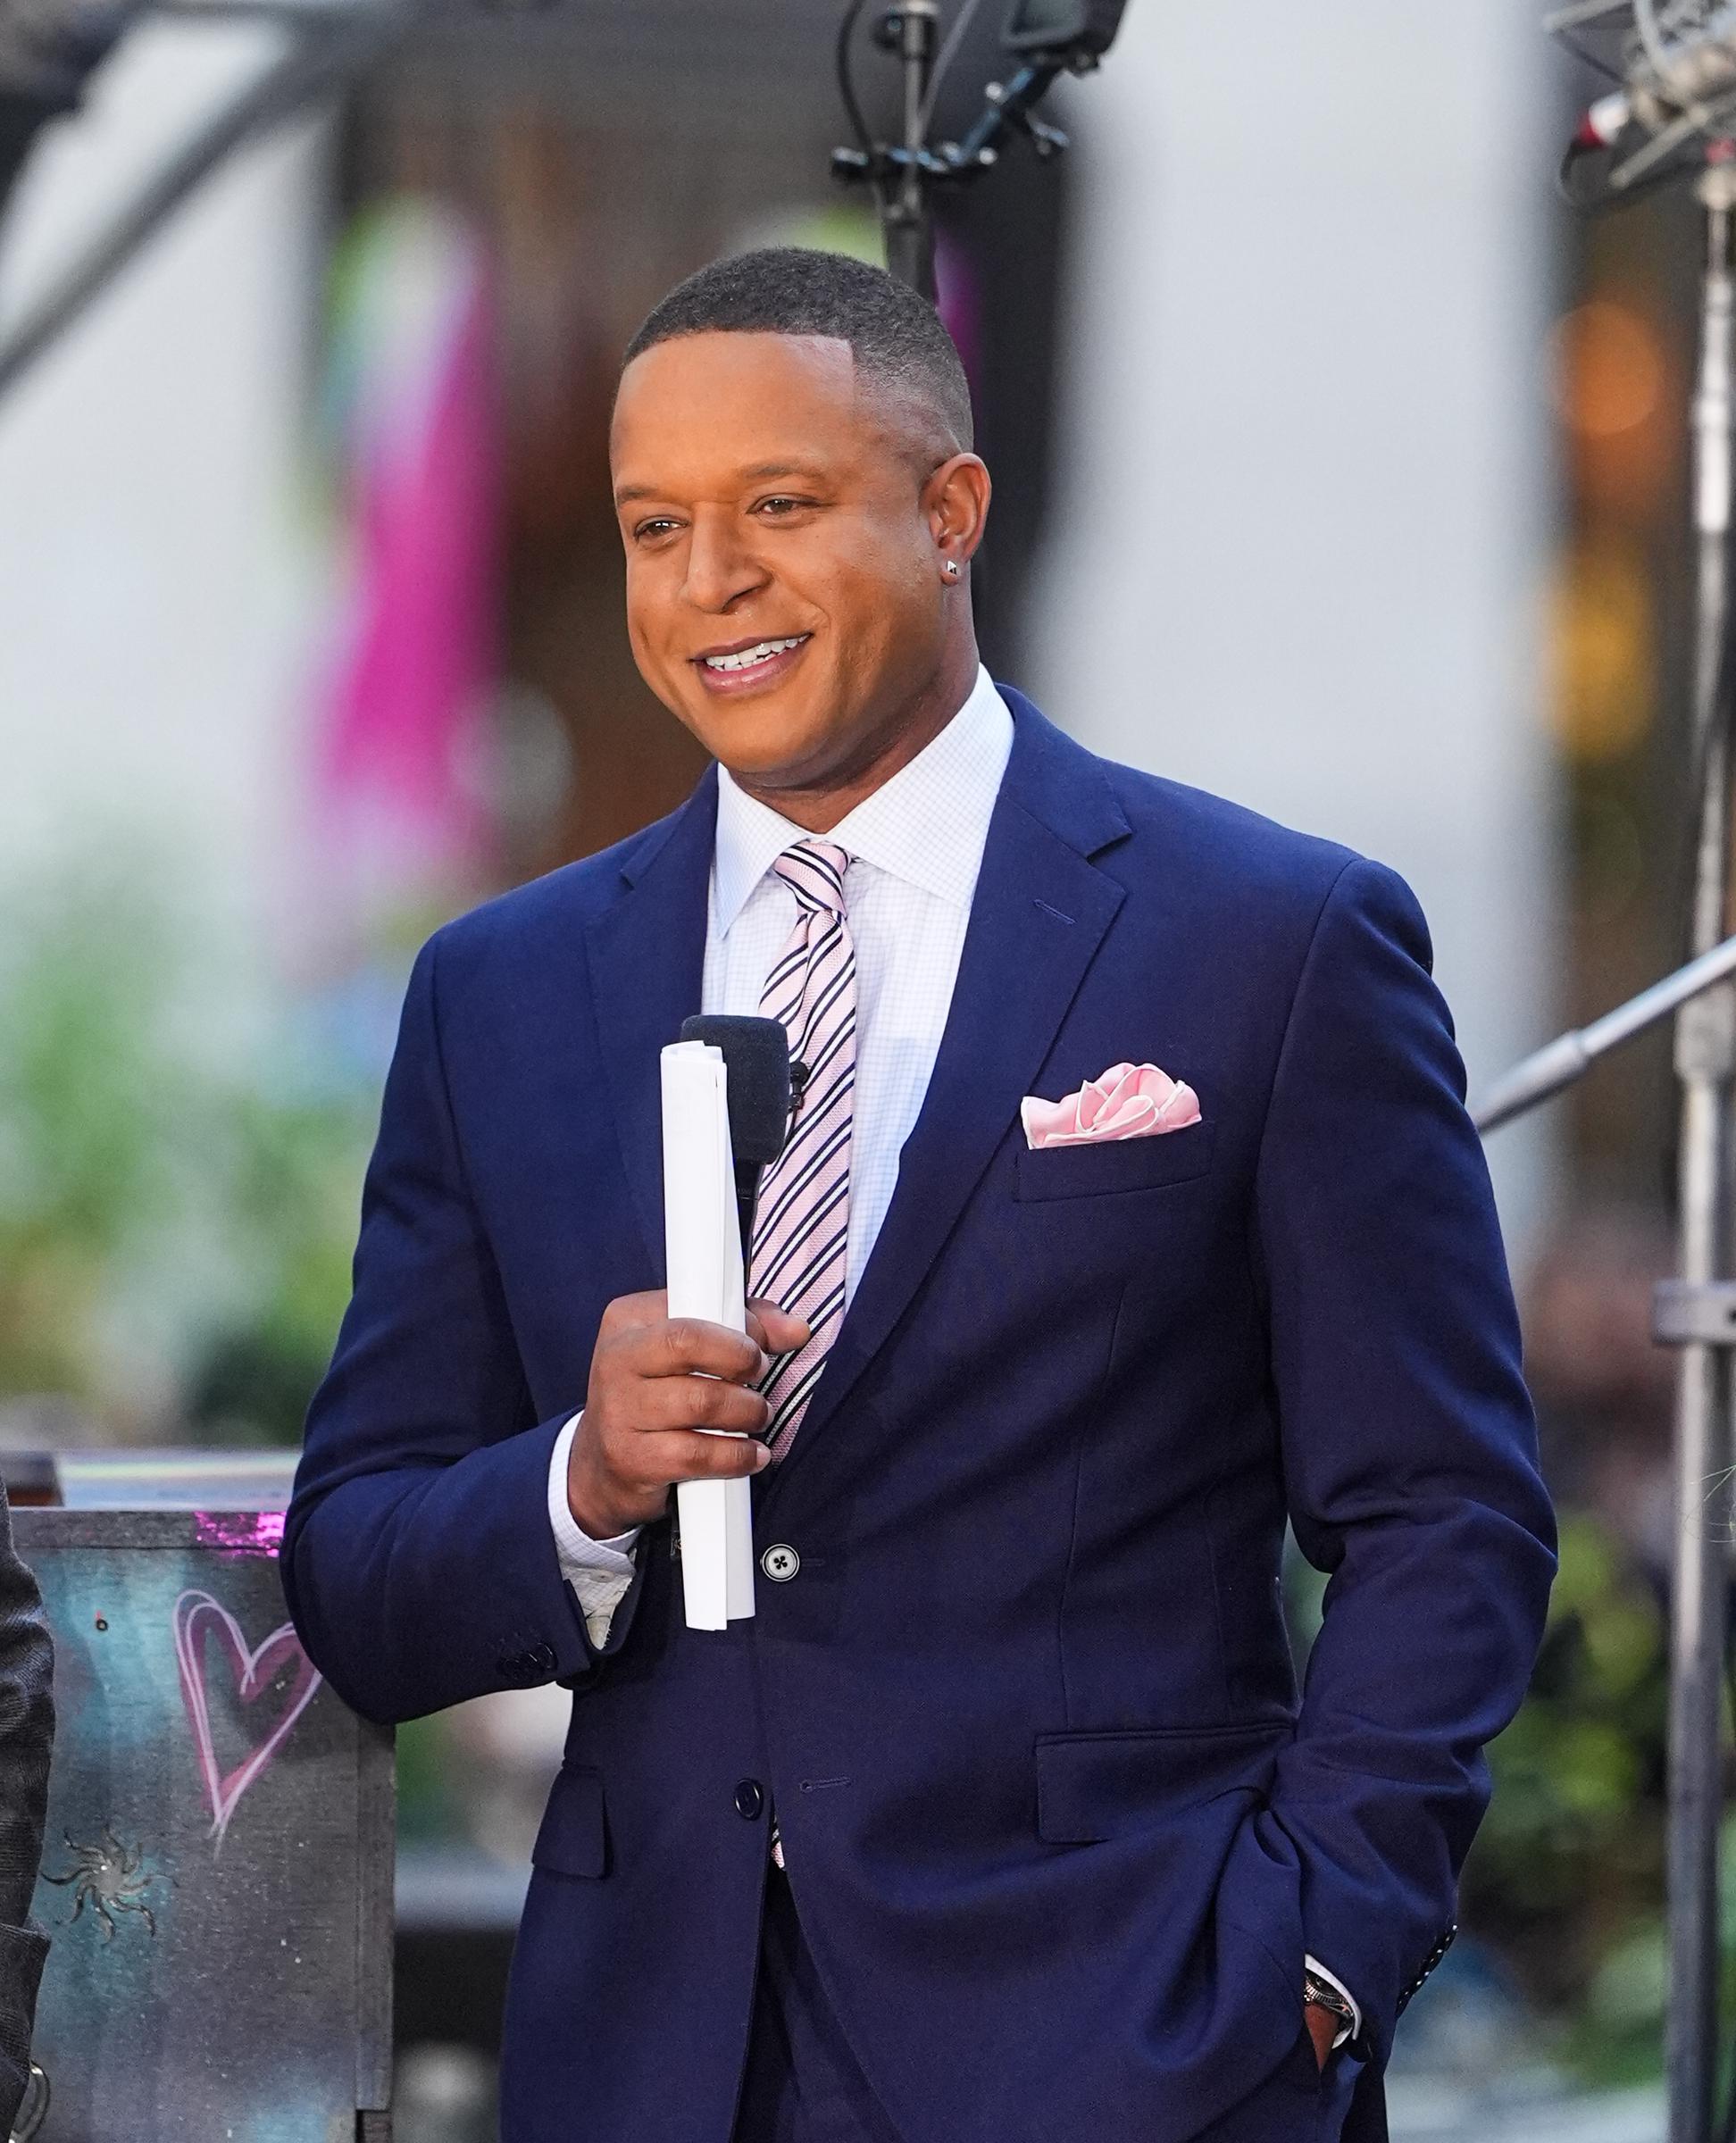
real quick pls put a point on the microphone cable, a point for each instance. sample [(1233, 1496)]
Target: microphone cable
[(948, 53), (845, 65)]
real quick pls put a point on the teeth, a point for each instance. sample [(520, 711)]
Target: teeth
[(748, 657)]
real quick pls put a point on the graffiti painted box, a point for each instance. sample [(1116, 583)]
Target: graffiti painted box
[(217, 1880)]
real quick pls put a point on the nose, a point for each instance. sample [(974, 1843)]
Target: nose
[(721, 570)]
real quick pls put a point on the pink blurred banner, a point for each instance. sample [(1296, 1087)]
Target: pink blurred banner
[(399, 821)]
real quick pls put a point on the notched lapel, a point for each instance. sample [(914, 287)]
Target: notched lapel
[(648, 954), (1040, 913)]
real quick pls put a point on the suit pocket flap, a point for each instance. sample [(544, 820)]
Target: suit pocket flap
[(1083, 1172), (1092, 1786), (573, 1839)]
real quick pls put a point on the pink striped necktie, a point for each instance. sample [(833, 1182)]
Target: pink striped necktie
[(802, 1226)]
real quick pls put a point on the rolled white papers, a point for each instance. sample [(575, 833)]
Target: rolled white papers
[(702, 1242)]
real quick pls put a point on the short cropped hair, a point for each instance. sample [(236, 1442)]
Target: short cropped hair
[(896, 335)]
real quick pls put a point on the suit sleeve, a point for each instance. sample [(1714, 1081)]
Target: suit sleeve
[(1410, 1448), (26, 1737), (418, 1561)]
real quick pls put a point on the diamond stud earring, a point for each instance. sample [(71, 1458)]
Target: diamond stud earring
[(950, 568)]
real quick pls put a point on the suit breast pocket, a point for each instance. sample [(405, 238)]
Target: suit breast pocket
[(1119, 1164)]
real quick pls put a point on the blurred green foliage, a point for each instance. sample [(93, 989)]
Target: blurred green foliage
[(83, 1175), (431, 1798), (177, 1189), (1565, 1883), (292, 1167), (1566, 1876)]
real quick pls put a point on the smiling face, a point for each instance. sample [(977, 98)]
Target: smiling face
[(787, 529)]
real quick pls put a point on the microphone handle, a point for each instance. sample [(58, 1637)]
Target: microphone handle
[(747, 1183)]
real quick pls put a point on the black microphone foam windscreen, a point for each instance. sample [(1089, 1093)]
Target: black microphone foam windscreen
[(757, 1052)]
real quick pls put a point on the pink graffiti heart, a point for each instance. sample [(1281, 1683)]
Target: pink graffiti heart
[(197, 1617)]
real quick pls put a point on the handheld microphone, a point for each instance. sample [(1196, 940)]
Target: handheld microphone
[(756, 1057)]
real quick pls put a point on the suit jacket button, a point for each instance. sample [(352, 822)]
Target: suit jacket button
[(780, 1563), (544, 1659), (749, 1800)]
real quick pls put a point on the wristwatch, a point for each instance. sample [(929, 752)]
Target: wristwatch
[(1323, 1995)]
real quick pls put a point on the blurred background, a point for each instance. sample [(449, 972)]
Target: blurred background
[(1339, 467)]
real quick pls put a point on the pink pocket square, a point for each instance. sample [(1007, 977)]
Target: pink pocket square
[(1129, 1101)]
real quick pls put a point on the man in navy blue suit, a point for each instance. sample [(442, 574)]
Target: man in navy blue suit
[(1130, 1208)]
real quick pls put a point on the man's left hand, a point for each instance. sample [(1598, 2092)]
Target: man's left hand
[(1323, 2028)]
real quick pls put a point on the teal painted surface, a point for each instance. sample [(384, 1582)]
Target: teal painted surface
[(200, 1877)]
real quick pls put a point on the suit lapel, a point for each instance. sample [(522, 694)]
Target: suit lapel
[(1040, 911), (646, 955)]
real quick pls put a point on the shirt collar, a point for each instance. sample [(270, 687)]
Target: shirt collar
[(926, 825)]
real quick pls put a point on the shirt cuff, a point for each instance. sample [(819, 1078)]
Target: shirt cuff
[(1345, 2031), (599, 1571)]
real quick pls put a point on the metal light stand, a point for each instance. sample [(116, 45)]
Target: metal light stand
[(1558, 1063), (907, 218), (1694, 1315), (904, 176), (1696, 1312)]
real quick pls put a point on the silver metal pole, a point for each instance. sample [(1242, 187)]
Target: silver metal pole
[(1705, 1063), (289, 12), (1558, 1063), (909, 228)]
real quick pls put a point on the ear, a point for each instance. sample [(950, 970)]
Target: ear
[(955, 505)]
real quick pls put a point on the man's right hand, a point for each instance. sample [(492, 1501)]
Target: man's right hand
[(656, 1382)]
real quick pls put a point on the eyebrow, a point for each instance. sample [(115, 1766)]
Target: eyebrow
[(757, 473)]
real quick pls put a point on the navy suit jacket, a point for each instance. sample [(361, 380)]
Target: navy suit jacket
[(1058, 1825)]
